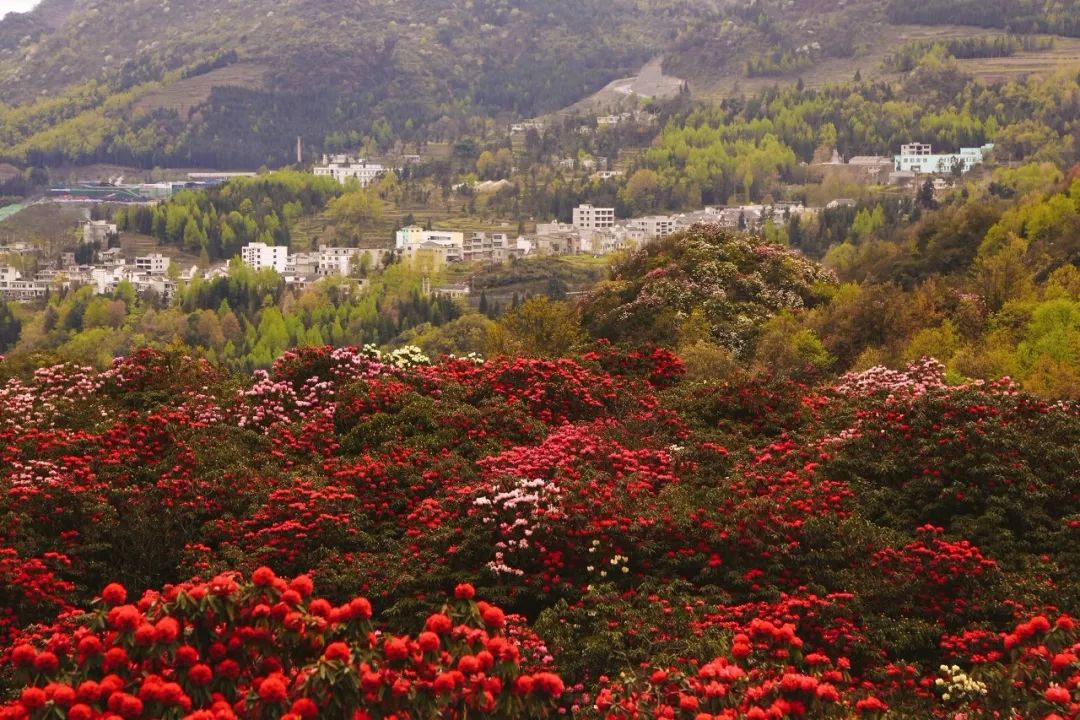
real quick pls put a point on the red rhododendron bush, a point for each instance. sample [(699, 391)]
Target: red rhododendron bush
[(268, 648), (639, 545)]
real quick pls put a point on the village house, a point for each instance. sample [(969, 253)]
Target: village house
[(301, 264), (526, 125), (335, 260)]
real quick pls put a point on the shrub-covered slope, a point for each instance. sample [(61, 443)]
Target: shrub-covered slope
[(750, 549)]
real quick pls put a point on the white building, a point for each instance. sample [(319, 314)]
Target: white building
[(152, 264), (919, 157), (336, 260), (302, 264), (346, 167), (654, 226), (453, 291), (527, 125), (104, 279), (587, 217), (113, 257), (260, 256), (98, 232), (406, 236), (504, 248), (13, 287)]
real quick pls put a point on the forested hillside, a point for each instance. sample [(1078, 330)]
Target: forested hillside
[(234, 83), (312, 69), (1022, 16)]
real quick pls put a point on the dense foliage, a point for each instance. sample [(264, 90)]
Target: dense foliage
[(1022, 16), (986, 280), (732, 281), (244, 320), (219, 221), (658, 545), (747, 149), (908, 57)]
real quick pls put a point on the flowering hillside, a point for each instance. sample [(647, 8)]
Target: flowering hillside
[(366, 536)]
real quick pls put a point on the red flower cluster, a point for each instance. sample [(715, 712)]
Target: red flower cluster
[(227, 648)]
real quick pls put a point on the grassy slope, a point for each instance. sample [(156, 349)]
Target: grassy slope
[(45, 225), (187, 94)]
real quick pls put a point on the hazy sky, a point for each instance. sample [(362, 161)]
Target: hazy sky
[(7, 6)]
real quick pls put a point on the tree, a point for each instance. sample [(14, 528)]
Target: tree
[(540, 327), (786, 348), (642, 192), (10, 327), (208, 329), (556, 289), (272, 334), (1002, 276), (504, 162), (194, 237), (355, 208), (485, 165), (464, 336), (925, 197)]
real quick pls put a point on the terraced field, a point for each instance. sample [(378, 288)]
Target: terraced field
[(186, 94), (714, 82)]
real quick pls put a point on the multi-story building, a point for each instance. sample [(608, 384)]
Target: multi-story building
[(587, 217), (504, 248), (302, 264), (260, 256), (562, 243), (410, 235), (919, 157), (336, 260), (654, 226), (346, 167), (113, 257), (14, 287), (156, 264), (438, 245), (98, 232), (478, 248)]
